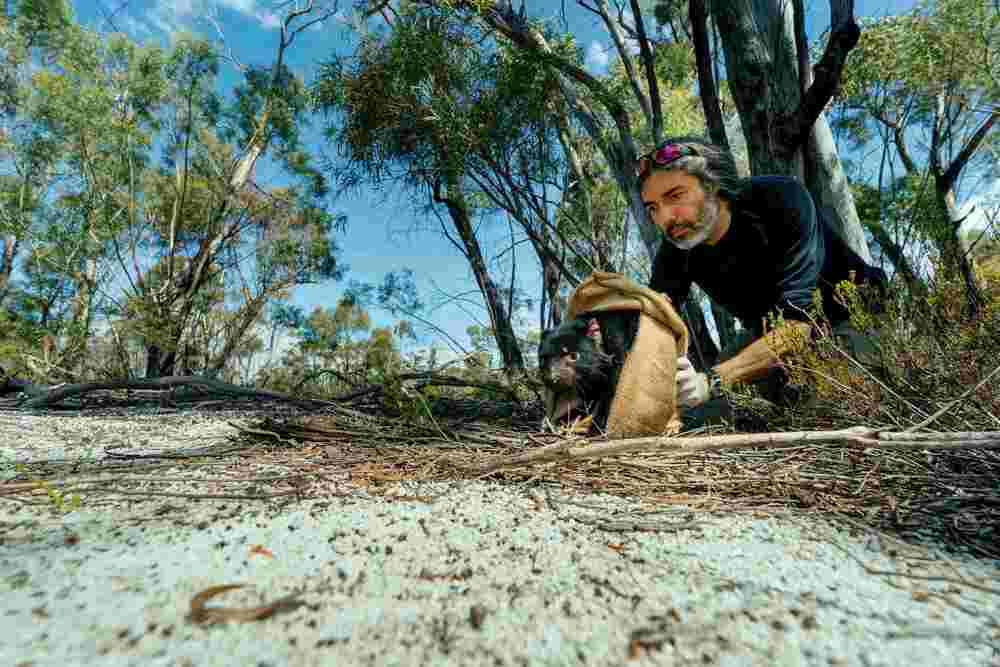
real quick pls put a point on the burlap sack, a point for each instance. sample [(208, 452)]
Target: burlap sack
[(645, 401)]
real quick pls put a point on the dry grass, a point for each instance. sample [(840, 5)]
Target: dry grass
[(909, 441), (889, 484)]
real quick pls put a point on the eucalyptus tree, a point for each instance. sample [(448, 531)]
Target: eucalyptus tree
[(154, 186), (781, 96), (766, 57), (28, 30), (765, 52), (206, 214), (925, 85), (462, 124), (69, 109)]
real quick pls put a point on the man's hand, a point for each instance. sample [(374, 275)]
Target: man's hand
[(692, 386)]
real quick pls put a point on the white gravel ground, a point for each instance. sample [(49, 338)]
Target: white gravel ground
[(476, 573)]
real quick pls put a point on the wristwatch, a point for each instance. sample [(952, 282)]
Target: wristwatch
[(714, 384)]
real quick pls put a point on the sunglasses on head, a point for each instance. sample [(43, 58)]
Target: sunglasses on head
[(662, 156)]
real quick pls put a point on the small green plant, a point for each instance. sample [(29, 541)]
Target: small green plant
[(923, 351), (412, 404), (60, 501)]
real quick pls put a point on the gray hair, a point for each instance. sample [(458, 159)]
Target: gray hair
[(713, 165)]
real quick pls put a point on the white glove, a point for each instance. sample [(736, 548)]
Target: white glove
[(692, 386)]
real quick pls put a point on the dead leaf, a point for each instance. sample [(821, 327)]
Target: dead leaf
[(260, 550), (202, 615)]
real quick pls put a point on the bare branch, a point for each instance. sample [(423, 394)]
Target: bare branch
[(650, 65), (844, 36), (614, 29), (707, 85), (230, 55), (44, 396), (969, 149)]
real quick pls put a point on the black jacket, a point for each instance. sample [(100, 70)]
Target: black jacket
[(776, 252)]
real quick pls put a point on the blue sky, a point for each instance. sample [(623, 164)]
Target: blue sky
[(384, 233)]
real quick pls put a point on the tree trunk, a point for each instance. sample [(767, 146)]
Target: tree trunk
[(704, 354), (83, 314), (500, 322), (762, 69), (706, 77), (10, 245), (160, 361), (153, 355), (551, 306), (952, 249), (775, 105), (245, 320), (725, 324), (831, 190)]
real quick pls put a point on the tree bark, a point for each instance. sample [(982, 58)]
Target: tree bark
[(783, 124), (251, 313), (83, 315), (953, 250), (763, 74), (500, 322), (707, 84), (705, 353), (830, 189), (7, 257)]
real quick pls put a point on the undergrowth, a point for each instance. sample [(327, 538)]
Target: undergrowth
[(926, 352)]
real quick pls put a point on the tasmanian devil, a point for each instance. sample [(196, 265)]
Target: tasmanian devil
[(580, 360)]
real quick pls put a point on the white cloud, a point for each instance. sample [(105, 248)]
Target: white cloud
[(597, 56), (172, 16), (269, 20)]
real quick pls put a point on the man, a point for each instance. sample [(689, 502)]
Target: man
[(756, 246)]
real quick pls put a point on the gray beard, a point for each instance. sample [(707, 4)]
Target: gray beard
[(707, 224)]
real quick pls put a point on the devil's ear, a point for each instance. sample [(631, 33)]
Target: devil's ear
[(594, 333)]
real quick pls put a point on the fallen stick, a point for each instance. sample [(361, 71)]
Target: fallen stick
[(864, 436), (45, 396)]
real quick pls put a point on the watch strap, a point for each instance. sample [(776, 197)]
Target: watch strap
[(714, 384)]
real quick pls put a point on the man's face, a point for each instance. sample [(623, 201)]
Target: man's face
[(677, 203)]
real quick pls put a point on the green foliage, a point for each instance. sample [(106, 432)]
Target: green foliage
[(931, 73), (413, 404), (144, 142), (337, 351), (58, 500), (430, 98), (923, 355), (43, 24), (937, 64)]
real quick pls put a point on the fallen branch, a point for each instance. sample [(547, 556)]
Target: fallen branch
[(46, 397), (681, 446)]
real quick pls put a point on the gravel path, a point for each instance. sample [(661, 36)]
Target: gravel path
[(476, 573)]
